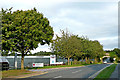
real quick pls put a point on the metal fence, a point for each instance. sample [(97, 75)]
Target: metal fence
[(28, 60)]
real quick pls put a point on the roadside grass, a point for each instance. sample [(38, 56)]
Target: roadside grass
[(106, 73), (19, 72), (9, 73), (59, 66)]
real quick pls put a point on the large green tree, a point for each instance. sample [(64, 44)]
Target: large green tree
[(67, 45), (22, 31)]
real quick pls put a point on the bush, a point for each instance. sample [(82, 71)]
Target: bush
[(76, 62)]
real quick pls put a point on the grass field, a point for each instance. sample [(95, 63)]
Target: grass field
[(14, 73), (106, 73)]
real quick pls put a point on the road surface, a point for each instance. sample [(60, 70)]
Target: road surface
[(75, 73)]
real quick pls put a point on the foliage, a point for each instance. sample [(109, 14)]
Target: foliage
[(72, 46), (22, 31), (106, 73), (117, 51), (67, 45), (112, 54), (92, 49)]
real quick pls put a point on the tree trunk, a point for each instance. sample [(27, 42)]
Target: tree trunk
[(68, 61), (101, 60), (82, 59), (22, 61), (95, 60), (86, 60)]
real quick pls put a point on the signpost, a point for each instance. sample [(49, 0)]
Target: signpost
[(59, 63), (52, 59), (38, 65)]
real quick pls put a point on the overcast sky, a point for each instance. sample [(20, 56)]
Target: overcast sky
[(96, 19)]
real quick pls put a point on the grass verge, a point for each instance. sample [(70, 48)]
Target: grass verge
[(19, 72), (58, 66), (9, 73), (106, 73)]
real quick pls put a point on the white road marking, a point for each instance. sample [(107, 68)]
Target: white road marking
[(58, 77), (77, 71), (55, 77)]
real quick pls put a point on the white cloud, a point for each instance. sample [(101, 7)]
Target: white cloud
[(107, 38), (87, 21), (100, 24), (108, 41), (41, 48), (94, 20)]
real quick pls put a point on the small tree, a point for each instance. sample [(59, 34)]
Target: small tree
[(22, 31), (117, 51), (67, 45), (86, 49), (96, 50), (92, 49)]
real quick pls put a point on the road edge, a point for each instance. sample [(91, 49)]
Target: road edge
[(27, 75), (95, 74)]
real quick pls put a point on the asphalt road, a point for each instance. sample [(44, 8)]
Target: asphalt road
[(71, 73)]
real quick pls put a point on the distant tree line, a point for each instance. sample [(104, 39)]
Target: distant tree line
[(71, 46)]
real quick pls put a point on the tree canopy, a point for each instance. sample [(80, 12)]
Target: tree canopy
[(72, 46), (22, 31), (117, 51)]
